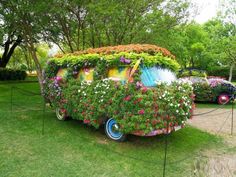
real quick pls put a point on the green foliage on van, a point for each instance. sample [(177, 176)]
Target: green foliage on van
[(103, 62)]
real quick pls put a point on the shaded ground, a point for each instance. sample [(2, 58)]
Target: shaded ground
[(222, 162)]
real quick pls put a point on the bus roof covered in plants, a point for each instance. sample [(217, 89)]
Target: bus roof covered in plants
[(132, 89)]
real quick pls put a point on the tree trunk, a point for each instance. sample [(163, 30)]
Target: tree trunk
[(9, 50), (231, 71), (32, 51)]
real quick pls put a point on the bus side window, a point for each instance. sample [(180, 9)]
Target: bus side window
[(86, 74), (120, 74), (62, 73)]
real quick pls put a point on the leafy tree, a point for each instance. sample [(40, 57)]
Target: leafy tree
[(9, 40), (26, 17)]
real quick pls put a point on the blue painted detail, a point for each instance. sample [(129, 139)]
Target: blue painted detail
[(112, 134), (120, 69), (151, 75), (123, 82)]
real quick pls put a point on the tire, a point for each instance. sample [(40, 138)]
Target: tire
[(223, 98), (60, 115), (111, 130)]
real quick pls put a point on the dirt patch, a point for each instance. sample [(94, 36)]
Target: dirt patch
[(217, 122), (220, 163)]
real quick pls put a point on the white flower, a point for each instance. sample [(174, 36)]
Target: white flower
[(177, 111)]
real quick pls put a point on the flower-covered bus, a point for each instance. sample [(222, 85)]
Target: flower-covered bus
[(130, 89)]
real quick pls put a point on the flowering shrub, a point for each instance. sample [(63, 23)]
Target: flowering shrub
[(215, 82), (53, 90), (203, 91)]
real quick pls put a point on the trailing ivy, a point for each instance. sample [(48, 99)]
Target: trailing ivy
[(103, 62)]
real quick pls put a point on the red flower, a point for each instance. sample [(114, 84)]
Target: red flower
[(141, 111), (63, 110), (127, 98), (86, 121), (144, 89), (154, 122), (192, 96), (139, 99)]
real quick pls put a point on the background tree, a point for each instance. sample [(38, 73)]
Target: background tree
[(9, 40)]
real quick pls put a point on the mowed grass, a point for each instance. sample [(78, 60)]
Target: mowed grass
[(214, 105), (71, 148)]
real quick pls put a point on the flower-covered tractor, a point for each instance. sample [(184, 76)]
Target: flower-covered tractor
[(132, 89)]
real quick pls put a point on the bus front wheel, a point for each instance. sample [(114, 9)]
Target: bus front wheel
[(112, 130)]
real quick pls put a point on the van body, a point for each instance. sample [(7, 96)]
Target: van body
[(130, 89)]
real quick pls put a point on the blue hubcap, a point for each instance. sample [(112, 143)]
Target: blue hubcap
[(113, 129)]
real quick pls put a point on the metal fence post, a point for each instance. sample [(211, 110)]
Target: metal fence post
[(232, 119)]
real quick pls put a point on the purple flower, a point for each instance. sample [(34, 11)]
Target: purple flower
[(127, 61), (122, 59), (139, 85)]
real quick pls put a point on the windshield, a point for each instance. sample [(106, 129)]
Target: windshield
[(151, 75)]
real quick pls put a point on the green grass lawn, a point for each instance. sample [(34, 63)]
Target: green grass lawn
[(214, 105), (71, 148)]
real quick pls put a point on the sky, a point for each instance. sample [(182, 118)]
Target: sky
[(206, 9)]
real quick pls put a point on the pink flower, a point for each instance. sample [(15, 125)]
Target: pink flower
[(141, 111), (58, 78)]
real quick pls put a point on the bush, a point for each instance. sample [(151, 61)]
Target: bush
[(192, 72), (10, 74), (221, 72), (203, 92)]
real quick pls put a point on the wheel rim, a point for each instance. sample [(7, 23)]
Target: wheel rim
[(112, 129), (223, 99), (60, 115)]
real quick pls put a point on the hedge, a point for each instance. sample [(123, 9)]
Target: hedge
[(221, 71), (11, 74), (191, 72)]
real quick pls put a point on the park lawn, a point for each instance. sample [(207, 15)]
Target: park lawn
[(213, 105), (72, 149)]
